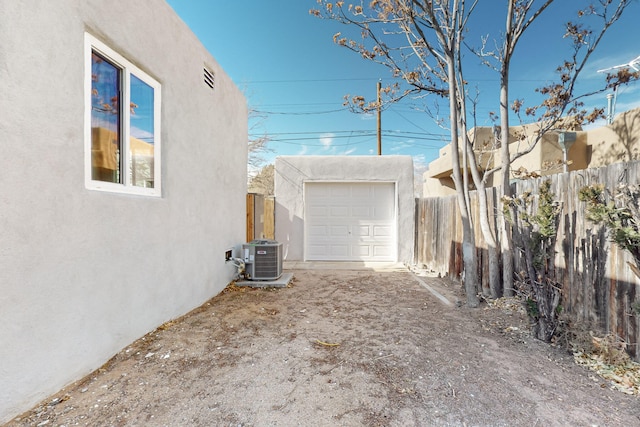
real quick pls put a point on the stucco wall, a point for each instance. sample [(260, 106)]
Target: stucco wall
[(616, 142), (293, 171), (84, 273), (594, 148)]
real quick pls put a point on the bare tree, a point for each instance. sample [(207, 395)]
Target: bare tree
[(258, 145), (263, 182), (420, 42), (260, 175), (561, 106)]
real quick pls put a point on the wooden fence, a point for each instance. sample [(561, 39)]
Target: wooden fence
[(260, 217), (598, 287)]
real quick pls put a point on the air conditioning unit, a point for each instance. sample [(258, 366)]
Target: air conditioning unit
[(263, 259)]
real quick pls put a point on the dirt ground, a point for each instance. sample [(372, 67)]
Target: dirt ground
[(340, 348)]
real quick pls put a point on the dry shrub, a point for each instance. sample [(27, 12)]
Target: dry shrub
[(574, 335), (577, 336), (611, 348)]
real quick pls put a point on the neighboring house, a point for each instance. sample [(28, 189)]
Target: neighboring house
[(617, 142), (345, 208), (123, 176)]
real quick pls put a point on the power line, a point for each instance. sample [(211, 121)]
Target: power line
[(366, 79), (304, 113), (321, 132), (393, 108), (298, 104), (290, 142), (442, 135), (403, 117), (387, 132), (307, 138), (370, 139), (362, 135)]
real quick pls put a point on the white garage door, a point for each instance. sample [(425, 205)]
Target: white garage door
[(350, 222)]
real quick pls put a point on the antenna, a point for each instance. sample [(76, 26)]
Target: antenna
[(634, 63), (612, 97)]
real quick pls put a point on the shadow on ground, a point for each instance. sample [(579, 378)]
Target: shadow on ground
[(339, 347)]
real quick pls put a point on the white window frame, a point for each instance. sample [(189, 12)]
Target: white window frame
[(93, 44)]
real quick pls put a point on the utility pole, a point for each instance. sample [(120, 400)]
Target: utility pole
[(379, 121)]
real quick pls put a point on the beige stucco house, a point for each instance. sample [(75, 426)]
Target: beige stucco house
[(123, 176), (616, 142)]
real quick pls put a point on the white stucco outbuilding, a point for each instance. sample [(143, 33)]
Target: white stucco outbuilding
[(345, 208), (123, 182)]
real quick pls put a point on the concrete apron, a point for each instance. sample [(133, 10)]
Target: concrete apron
[(286, 276), (344, 265)]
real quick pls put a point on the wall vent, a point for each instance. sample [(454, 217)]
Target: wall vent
[(209, 78)]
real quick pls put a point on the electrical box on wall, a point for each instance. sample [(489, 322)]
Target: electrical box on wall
[(263, 259)]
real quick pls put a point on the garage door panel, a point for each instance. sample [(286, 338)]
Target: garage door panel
[(340, 231), (361, 212), (340, 251), (362, 231), (381, 192), (339, 211), (362, 251), (319, 191), (318, 230), (382, 231), (318, 211), (362, 192), (317, 250), (383, 213), (339, 191), (381, 251), (350, 221)]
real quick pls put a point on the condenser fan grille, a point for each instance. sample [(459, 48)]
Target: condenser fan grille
[(266, 261)]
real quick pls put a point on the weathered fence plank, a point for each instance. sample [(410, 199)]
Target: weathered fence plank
[(598, 285), (269, 218)]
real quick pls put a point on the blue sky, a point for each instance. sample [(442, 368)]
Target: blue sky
[(286, 63)]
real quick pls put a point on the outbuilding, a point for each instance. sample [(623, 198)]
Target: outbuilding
[(345, 208)]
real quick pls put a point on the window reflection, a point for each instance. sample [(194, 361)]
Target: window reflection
[(123, 130), (105, 120), (141, 142)]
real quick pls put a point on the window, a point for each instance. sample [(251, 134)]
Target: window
[(122, 124)]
